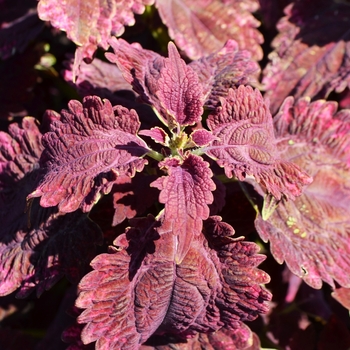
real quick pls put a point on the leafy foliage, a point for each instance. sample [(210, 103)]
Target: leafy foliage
[(179, 133)]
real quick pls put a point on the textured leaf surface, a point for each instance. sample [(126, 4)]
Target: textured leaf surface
[(311, 56), (91, 23), (180, 92), (19, 23), (186, 193), (203, 26), (86, 150), (138, 288), (36, 247), (167, 84), (226, 68), (312, 234), (245, 144)]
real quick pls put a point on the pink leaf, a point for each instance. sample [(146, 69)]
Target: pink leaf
[(186, 193), (202, 27), (226, 68), (91, 23), (158, 135), (138, 289), (342, 295), (202, 137), (245, 144), (180, 92), (86, 150), (167, 84), (311, 234), (304, 62)]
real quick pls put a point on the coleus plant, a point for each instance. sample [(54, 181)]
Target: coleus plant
[(154, 135)]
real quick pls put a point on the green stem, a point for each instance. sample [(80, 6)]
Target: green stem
[(155, 155)]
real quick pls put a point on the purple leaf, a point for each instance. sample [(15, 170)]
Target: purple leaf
[(245, 144), (19, 24), (311, 234), (311, 56), (202, 27), (85, 151), (180, 92), (138, 289), (91, 23), (186, 193), (226, 68)]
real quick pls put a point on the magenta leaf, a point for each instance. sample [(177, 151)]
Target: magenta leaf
[(186, 192), (245, 144), (138, 289), (19, 24), (306, 61), (168, 84), (90, 23), (202, 27), (180, 92), (226, 68), (85, 151), (202, 137), (311, 234)]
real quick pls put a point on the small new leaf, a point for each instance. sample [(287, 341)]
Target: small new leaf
[(85, 151)]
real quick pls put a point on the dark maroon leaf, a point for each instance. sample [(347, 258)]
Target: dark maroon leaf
[(186, 193), (202, 27), (132, 197), (311, 56), (90, 23), (86, 150), (311, 234), (18, 78), (138, 289), (19, 24), (335, 335), (226, 68), (245, 144), (180, 92)]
